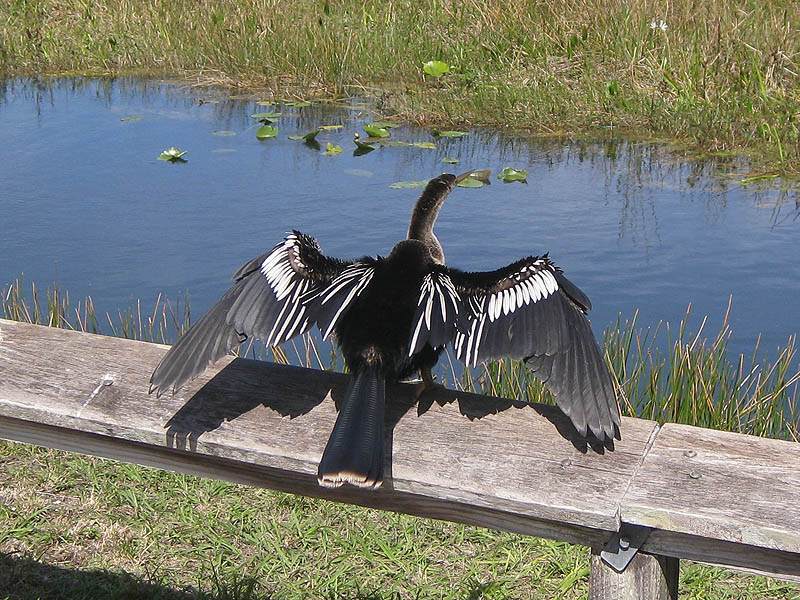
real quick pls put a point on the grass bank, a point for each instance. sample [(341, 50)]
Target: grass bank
[(723, 77), (78, 527)]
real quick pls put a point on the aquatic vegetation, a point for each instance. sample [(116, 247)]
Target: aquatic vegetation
[(307, 137), (362, 147), (332, 149), (450, 161), (448, 133), (401, 185), (510, 174), (266, 116), (423, 145), (266, 132), (385, 124), (173, 154), (376, 131), (471, 182)]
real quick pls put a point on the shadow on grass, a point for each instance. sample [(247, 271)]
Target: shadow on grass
[(23, 578)]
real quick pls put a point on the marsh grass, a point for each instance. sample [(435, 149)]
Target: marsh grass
[(81, 527), (671, 374), (723, 78)]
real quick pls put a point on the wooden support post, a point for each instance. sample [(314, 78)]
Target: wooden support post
[(648, 577)]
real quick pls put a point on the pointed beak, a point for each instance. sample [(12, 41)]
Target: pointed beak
[(482, 174)]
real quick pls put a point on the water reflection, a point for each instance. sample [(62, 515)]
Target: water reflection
[(85, 202)]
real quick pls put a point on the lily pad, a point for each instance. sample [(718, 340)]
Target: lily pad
[(172, 154), (450, 161), (224, 132), (359, 172), (267, 131), (408, 184), (435, 68), (385, 124), (510, 174), (330, 127), (364, 146), (298, 103), (266, 115), (448, 133), (308, 137), (265, 103), (470, 182), (426, 145), (332, 149), (375, 131), (131, 118)]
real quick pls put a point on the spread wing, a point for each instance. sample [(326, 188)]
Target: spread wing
[(530, 311), (275, 297)]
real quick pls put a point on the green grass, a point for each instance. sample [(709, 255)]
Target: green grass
[(79, 527), (723, 77)]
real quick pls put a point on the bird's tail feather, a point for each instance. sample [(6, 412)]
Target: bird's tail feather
[(354, 453)]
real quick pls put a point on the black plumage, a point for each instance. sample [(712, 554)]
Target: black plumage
[(393, 316)]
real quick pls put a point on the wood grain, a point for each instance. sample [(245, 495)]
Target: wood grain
[(647, 577), (719, 485), (521, 461)]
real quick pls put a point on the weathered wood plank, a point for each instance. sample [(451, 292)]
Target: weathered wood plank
[(459, 457), (750, 559), (720, 497), (497, 457), (646, 578), (719, 485)]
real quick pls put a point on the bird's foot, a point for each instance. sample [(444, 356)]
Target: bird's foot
[(427, 384)]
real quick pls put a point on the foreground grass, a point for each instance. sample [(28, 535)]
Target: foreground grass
[(724, 78), (77, 527)]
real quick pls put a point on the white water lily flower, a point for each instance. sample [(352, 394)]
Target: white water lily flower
[(172, 153)]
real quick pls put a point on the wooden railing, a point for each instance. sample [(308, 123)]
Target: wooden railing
[(659, 495)]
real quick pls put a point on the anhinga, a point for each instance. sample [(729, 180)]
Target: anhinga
[(392, 318)]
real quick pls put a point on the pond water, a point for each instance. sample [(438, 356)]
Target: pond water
[(86, 203)]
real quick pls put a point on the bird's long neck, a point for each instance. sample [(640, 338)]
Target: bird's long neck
[(423, 218)]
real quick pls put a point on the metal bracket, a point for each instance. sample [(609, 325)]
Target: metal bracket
[(623, 546)]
